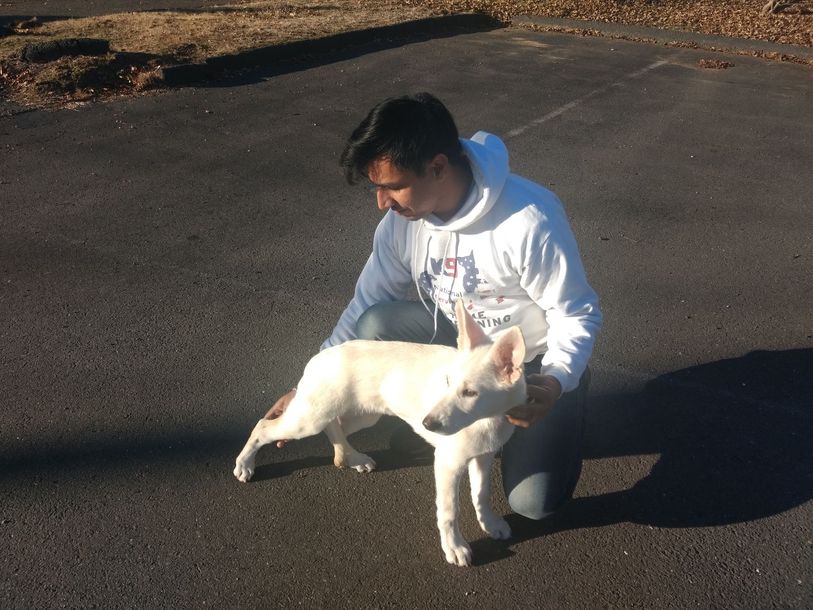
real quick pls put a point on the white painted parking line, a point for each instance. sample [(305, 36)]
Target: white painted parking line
[(569, 106)]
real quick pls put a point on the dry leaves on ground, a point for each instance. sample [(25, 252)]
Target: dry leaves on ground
[(735, 18)]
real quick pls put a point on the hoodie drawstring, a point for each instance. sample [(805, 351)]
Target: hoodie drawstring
[(418, 275)]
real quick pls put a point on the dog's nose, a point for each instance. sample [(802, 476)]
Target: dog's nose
[(431, 423)]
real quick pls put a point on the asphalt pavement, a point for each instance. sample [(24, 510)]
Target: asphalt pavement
[(168, 263)]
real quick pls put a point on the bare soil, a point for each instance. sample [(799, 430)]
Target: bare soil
[(143, 43)]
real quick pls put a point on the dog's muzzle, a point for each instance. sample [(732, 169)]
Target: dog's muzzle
[(432, 424)]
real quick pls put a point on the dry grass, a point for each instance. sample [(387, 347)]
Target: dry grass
[(155, 39), (165, 38), (230, 29)]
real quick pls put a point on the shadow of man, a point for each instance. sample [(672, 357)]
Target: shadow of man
[(734, 439)]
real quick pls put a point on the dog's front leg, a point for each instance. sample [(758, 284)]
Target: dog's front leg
[(480, 479), (447, 486), (344, 455)]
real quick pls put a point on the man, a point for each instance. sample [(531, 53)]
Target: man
[(459, 225)]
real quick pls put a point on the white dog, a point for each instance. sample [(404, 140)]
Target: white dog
[(455, 399)]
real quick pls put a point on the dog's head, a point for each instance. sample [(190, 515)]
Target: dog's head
[(486, 379)]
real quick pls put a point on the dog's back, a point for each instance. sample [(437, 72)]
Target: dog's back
[(389, 377)]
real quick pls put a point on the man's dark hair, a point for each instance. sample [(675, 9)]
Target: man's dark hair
[(408, 131)]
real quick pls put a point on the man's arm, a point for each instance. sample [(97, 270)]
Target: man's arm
[(554, 278), (385, 277)]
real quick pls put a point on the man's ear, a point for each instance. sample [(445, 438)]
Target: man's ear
[(508, 354), (469, 333), (437, 166)]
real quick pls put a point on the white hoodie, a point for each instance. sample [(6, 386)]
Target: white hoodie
[(508, 252)]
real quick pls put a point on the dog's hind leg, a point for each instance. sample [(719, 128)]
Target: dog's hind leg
[(298, 421), (447, 487), (261, 435), (480, 479), (344, 456)]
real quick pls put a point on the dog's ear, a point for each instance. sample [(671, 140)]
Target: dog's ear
[(469, 333), (508, 353)]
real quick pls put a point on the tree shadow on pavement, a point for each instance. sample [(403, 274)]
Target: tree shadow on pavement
[(734, 439)]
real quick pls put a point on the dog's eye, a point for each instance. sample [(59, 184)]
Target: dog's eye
[(469, 393)]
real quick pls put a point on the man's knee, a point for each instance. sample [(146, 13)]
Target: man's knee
[(540, 495), (530, 510), (372, 324), (403, 321)]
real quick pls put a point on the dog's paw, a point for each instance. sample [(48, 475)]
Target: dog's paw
[(363, 463), (496, 527), (357, 461), (458, 554), (243, 471)]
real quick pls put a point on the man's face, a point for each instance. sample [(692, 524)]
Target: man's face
[(406, 193)]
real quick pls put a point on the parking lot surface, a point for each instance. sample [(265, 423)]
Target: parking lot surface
[(169, 263)]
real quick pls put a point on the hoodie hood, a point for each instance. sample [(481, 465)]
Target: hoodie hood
[(488, 159)]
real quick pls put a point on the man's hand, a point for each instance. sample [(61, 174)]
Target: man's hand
[(543, 392), (279, 408)]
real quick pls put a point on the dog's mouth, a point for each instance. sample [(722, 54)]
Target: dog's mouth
[(433, 424), (445, 425)]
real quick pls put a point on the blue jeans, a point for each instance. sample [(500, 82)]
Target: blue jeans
[(541, 464)]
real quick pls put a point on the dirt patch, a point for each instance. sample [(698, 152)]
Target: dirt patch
[(227, 29), (143, 43), (715, 64)]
